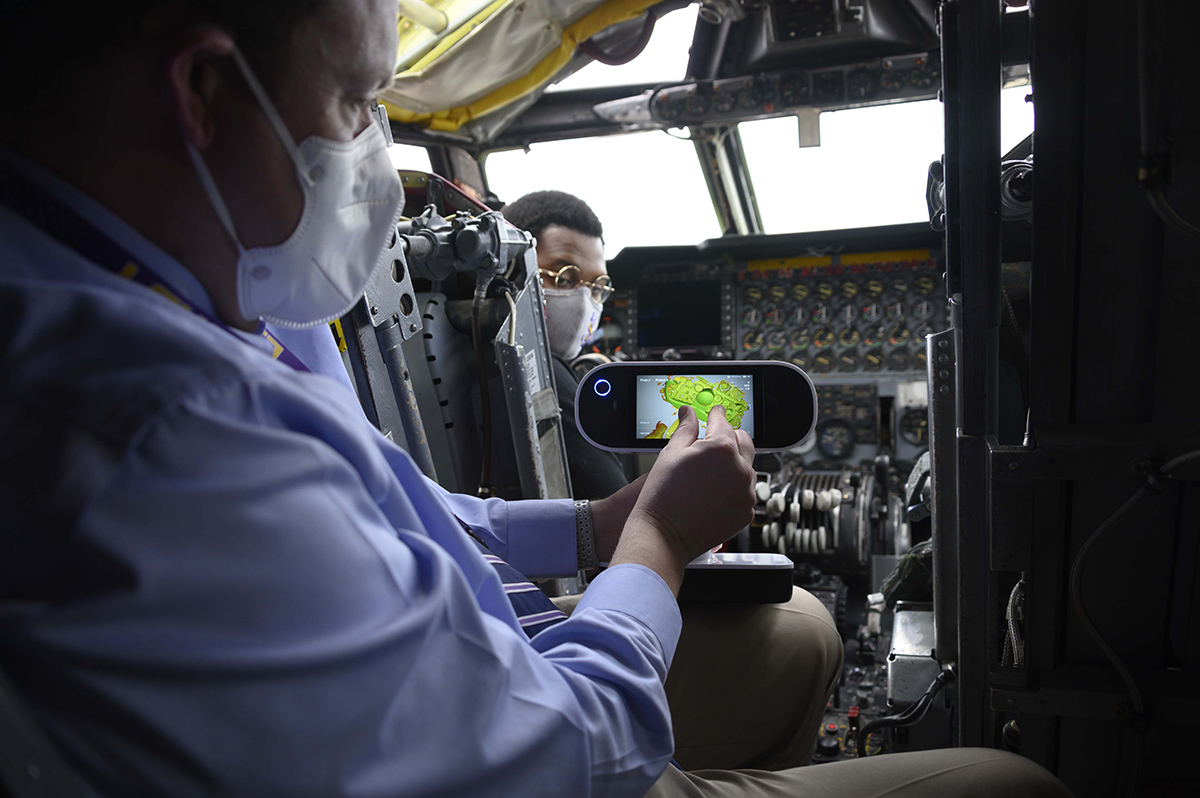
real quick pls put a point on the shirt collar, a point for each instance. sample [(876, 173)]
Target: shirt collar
[(174, 273)]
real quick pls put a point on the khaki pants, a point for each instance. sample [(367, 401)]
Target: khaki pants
[(747, 690)]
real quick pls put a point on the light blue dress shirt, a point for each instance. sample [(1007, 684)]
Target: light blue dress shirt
[(221, 580)]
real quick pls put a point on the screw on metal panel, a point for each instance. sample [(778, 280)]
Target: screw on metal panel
[(944, 389), (943, 359), (1012, 465), (943, 344), (412, 328), (1139, 465), (374, 311)]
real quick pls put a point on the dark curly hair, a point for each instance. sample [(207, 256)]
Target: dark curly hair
[(540, 209)]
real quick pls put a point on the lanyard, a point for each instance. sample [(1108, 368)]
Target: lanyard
[(54, 218)]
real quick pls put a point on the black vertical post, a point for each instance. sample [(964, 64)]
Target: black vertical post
[(971, 51)]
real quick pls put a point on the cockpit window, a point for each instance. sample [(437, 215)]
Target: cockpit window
[(647, 188), (870, 169), (665, 58), (408, 156)]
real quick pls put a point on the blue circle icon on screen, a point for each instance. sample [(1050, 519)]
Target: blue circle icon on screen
[(602, 387)]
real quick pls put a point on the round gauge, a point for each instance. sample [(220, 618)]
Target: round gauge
[(848, 289), (696, 105), (924, 75), (862, 84), (823, 363), (799, 292), (873, 360), (749, 99), (800, 362), (667, 107), (752, 341), (873, 336), (824, 290), (798, 315), (894, 311), (724, 101), (776, 340), (920, 332), (922, 310), (848, 337), (899, 336), (823, 338), (821, 313), (873, 288), (872, 312), (920, 360), (924, 285), (793, 88), (899, 286), (914, 426), (835, 438), (777, 292), (898, 360), (801, 339), (753, 293), (773, 315), (847, 361), (846, 314), (752, 317), (891, 81)]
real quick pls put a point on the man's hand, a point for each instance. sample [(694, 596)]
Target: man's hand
[(698, 495), (609, 517)]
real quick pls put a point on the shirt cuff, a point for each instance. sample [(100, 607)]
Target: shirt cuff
[(541, 538), (640, 593)]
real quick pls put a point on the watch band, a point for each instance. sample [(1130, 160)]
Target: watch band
[(585, 539)]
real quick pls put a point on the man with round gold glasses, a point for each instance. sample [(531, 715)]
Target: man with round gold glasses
[(570, 254)]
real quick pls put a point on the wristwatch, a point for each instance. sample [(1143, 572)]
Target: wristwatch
[(585, 538)]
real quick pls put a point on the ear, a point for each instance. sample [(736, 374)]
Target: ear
[(194, 80)]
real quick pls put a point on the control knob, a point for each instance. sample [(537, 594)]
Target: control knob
[(828, 747)]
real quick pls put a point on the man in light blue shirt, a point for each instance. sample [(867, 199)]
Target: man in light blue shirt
[(216, 577)]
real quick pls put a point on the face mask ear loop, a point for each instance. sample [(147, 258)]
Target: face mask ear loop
[(214, 195), (268, 109)]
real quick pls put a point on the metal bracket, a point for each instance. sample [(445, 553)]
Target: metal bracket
[(390, 295)]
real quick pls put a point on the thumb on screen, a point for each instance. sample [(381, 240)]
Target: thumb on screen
[(687, 431)]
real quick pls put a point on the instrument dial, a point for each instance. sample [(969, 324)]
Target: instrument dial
[(920, 360), (846, 314), (920, 332), (894, 311), (753, 293), (696, 105), (799, 292), (824, 290), (724, 101), (873, 288), (914, 426), (899, 335), (835, 438), (872, 312), (899, 286), (874, 336), (922, 310), (898, 360), (924, 75), (848, 337), (773, 314), (823, 363), (752, 341), (893, 81), (924, 285), (776, 340), (800, 362), (752, 317), (848, 289), (873, 360), (847, 361), (823, 338), (801, 340), (777, 292), (862, 84), (821, 313), (798, 315)]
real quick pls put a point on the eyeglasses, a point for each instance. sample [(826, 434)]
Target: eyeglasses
[(569, 277)]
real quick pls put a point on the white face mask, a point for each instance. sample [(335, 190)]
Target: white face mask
[(352, 200), (571, 319)]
